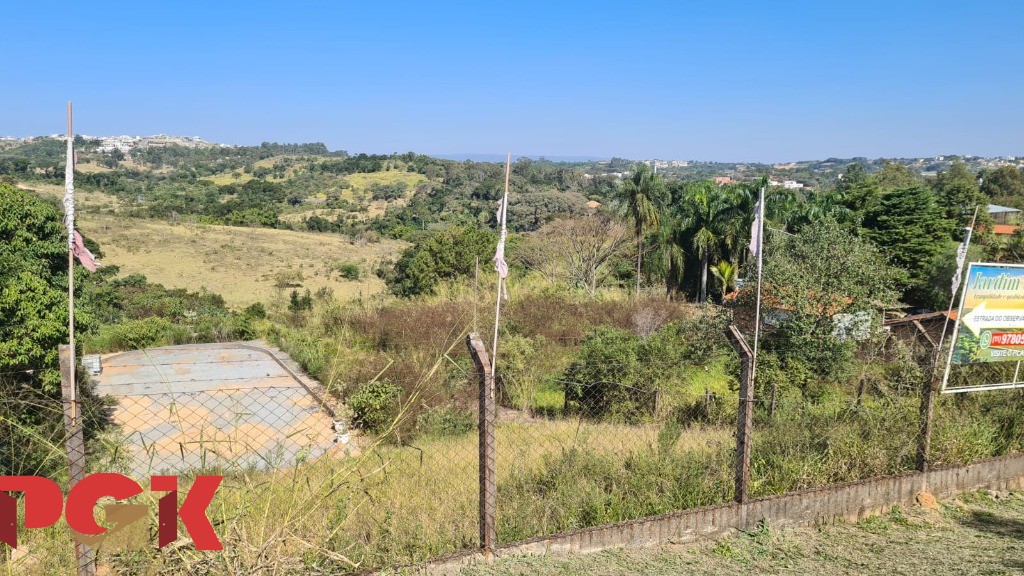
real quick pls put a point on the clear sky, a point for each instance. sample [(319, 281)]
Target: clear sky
[(709, 80)]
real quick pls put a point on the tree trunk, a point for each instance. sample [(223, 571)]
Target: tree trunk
[(639, 254), (704, 281)]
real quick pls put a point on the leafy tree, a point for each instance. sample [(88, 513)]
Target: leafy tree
[(436, 257), (854, 175), (1004, 185), (642, 197), (33, 285), (894, 176), (911, 228), (810, 280), (959, 193)]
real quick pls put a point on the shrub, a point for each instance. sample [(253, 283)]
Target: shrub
[(621, 376), (375, 405), (257, 311), (133, 334), (348, 270), (607, 379), (444, 421)]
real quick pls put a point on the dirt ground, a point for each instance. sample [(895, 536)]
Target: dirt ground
[(978, 533)]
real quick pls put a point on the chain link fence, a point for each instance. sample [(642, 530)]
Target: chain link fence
[(623, 429)]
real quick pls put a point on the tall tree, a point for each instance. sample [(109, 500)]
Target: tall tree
[(959, 192), (642, 197), (705, 218), (894, 176), (1004, 185), (911, 228)]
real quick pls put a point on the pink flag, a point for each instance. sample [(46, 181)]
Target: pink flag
[(83, 254)]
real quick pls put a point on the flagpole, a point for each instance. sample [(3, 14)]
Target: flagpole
[(952, 301), (760, 262), (497, 304), (69, 182)]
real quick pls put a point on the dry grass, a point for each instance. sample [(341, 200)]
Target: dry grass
[(433, 483), (244, 265), (361, 182)]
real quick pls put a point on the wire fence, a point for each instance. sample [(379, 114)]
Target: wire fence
[(617, 433)]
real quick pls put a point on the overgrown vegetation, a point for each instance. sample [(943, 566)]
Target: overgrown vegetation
[(616, 391)]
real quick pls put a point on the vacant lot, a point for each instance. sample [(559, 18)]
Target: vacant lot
[(974, 534), (244, 265)]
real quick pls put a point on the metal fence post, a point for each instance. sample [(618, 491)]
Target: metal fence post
[(744, 414), (488, 484), (74, 443)]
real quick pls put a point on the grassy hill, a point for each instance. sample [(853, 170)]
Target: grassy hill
[(244, 265)]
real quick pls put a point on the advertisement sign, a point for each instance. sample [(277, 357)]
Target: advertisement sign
[(990, 325)]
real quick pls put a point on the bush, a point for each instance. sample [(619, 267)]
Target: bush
[(257, 311), (444, 421), (438, 257), (375, 405), (132, 335), (619, 375), (348, 270)]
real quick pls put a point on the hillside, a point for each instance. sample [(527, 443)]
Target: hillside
[(244, 265)]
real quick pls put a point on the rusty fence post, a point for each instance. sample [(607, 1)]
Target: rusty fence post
[(745, 413), (74, 443), (488, 483), (929, 388)]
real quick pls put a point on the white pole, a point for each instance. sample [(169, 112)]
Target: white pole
[(497, 304), (964, 280), (69, 183), (760, 268), (956, 329), (952, 299)]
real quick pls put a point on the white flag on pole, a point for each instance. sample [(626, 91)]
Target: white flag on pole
[(499, 254), (755, 230), (961, 257), (69, 194)]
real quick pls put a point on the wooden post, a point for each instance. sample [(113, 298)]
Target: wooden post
[(74, 443), (488, 483), (745, 413)]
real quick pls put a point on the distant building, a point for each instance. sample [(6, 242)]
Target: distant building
[(792, 185), (1002, 214), (720, 180), (593, 204)]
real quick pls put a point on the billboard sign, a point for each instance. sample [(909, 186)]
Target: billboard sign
[(990, 320)]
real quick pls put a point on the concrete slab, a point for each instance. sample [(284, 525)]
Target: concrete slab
[(214, 406)]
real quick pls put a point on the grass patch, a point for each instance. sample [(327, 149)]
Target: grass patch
[(241, 264)]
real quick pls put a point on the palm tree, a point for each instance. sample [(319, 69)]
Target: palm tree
[(669, 259), (707, 219), (642, 197), (725, 272)]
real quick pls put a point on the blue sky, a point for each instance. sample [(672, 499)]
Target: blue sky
[(687, 80)]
